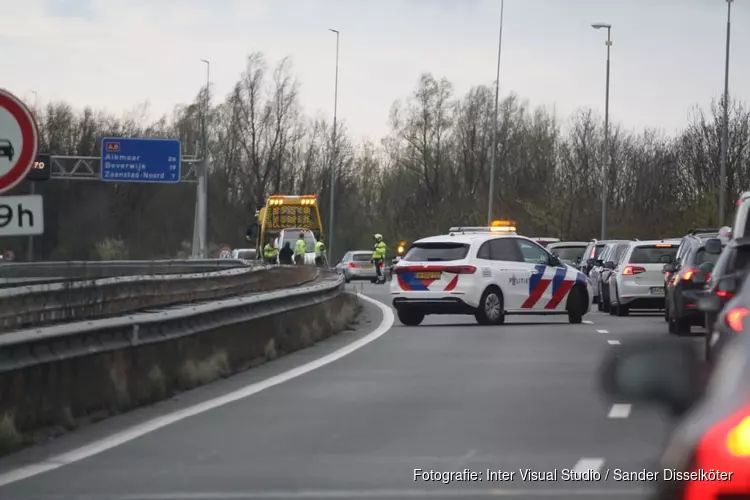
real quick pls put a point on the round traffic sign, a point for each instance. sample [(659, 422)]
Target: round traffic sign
[(19, 140), (225, 253)]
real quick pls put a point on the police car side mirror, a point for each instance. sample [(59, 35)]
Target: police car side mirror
[(555, 261)]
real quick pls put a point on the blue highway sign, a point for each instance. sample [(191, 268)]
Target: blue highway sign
[(140, 160)]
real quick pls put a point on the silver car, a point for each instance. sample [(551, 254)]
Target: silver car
[(357, 265), (570, 252)]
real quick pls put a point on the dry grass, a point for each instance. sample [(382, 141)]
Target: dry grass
[(10, 439)]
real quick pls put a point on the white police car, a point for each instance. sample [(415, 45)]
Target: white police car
[(486, 273)]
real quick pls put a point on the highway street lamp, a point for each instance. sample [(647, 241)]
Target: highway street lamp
[(334, 148), (199, 223), (494, 119), (605, 167), (725, 126)]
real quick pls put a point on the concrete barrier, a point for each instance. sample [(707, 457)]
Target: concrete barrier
[(60, 393), (34, 305)]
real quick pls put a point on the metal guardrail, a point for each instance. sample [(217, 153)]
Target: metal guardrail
[(76, 300), (110, 268), (35, 346)]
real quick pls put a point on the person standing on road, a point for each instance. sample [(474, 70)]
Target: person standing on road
[(286, 254), (270, 252), (300, 249), (320, 252), (378, 256)]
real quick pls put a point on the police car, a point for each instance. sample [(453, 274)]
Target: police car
[(486, 272)]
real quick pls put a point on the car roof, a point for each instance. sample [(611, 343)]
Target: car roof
[(360, 251), (468, 238), (5, 141), (674, 242), (568, 244)]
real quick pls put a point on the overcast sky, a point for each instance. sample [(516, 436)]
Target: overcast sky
[(667, 55)]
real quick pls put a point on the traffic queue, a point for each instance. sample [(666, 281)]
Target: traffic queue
[(705, 390)]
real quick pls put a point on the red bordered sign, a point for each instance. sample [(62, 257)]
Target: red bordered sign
[(19, 140)]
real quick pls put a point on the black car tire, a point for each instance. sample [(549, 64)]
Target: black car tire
[(410, 317), (492, 299), (575, 306), (607, 305), (678, 326)]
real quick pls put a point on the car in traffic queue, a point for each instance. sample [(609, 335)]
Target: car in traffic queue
[(637, 280), (601, 274), (357, 265), (707, 455), (687, 241), (570, 252), (487, 272), (546, 241), (689, 274), (725, 281), (592, 252)]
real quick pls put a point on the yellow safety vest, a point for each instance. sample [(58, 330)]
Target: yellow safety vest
[(379, 252), (300, 247), (270, 251), (320, 248)]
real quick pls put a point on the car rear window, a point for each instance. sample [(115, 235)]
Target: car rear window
[(701, 257), (436, 252), (652, 254), (568, 253), (362, 257)]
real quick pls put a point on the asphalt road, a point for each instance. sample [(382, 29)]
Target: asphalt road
[(448, 395)]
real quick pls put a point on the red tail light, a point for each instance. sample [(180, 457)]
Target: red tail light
[(723, 294), (352, 265), (735, 318), (688, 274), (446, 269), (630, 270)]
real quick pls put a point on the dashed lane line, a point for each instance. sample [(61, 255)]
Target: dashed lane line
[(619, 411), (613, 342)]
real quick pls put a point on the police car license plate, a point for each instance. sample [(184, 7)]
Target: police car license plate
[(657, 290), (433, 275)]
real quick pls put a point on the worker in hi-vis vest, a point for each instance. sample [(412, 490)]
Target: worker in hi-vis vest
[(300, 249), (270, 252), (378, 257), (320, 252)]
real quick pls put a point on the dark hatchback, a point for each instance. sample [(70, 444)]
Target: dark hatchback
[(689, 274)]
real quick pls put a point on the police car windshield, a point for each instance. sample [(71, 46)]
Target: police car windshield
[(651, 254), (568, 253), (436, 252)]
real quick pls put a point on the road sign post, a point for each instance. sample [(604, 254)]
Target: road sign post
[(141, 160)]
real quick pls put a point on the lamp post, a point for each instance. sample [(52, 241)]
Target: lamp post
[(494, 120), (605, 167), (334, 148), (725, 126), (199, 223)]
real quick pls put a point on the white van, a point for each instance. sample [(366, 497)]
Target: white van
[(291, 235)]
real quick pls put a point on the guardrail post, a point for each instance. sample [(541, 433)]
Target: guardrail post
[(134, 334)]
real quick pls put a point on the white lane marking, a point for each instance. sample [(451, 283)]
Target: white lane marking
[(602, 331), (139, 430), (613, 342), (619, 411), (411, 493), (587, 322), (589, 464)]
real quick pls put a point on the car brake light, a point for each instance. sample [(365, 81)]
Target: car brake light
[(738, 439), (735, 318), (630, 270), (688, 274), (460, 269), (352, 265), (723, 294)]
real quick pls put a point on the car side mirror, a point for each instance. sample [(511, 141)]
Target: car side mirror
[(555, 261), (670, 268), (610, 265), (654, 371), (709, 304), (713, 246)]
